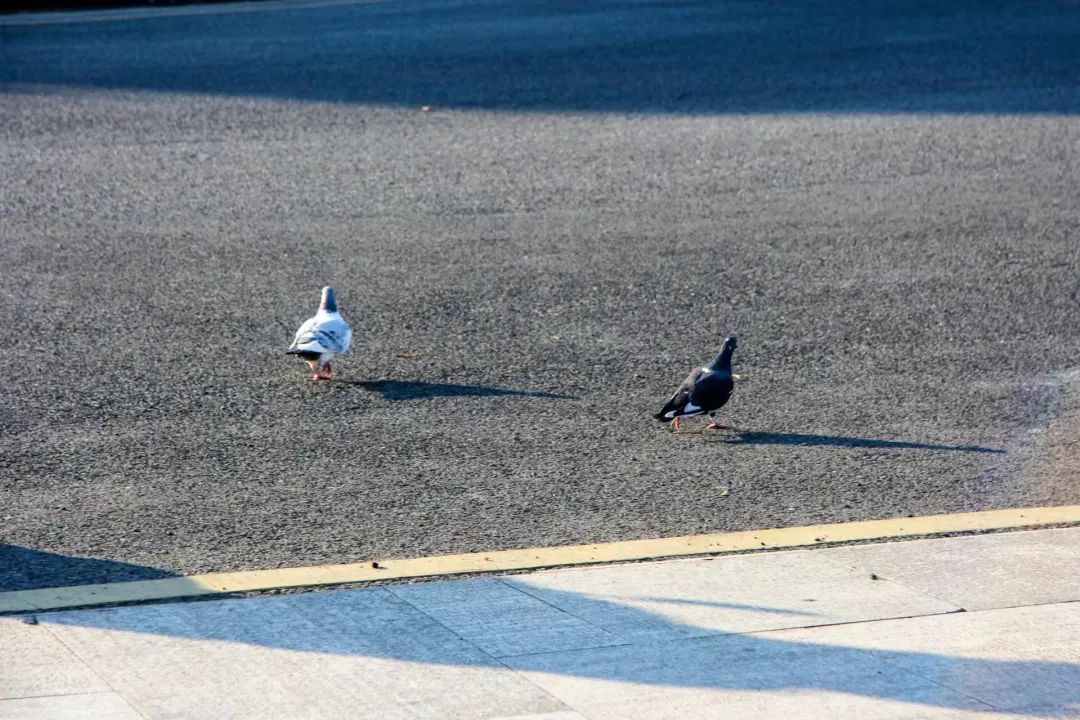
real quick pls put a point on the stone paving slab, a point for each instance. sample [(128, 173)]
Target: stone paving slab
[(502, 620), (710, 596), (979, 572), (353, 653), (800, 633), (89, 706), (33, 662), (735, 678), (1022, 659)]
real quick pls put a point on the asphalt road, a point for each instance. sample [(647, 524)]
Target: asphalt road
[(881, 201)]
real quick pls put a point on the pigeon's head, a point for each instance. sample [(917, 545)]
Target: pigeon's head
[(723, 360), (329, 300)]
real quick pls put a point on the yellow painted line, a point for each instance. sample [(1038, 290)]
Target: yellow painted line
[(530, 558)]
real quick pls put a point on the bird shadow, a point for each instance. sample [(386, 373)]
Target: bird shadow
[(749, 437), (418, 390)]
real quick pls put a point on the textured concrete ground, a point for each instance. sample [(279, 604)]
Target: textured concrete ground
[(882, 202), (972, 627)]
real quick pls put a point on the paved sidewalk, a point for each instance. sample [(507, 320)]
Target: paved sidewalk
[(979, 626)]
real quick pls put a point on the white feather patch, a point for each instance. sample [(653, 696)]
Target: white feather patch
[(688, 409)]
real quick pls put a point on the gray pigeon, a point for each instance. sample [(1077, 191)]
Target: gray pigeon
[(322, 337), (705, 390)]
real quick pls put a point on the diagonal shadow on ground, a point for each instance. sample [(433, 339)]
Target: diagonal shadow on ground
[(23, 568), (387, 622)]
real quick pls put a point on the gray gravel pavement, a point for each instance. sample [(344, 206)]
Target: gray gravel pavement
[(883, 203)]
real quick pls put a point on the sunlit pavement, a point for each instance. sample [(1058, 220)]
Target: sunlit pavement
[(974, 626)]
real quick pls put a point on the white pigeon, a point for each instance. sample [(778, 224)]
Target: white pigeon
[(322, 337)]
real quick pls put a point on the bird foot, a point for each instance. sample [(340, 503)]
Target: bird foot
[(717, 426)]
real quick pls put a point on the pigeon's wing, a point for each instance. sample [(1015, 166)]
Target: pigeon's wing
[(712, 391), (323, 334), (334, 334), (305, 333), (677, 404), (341, 333)]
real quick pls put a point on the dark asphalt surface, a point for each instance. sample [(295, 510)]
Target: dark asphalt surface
[(882, 202)]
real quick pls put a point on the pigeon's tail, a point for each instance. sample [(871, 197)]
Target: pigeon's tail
[(675, 406)]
